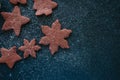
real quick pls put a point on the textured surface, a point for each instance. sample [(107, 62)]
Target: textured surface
[(94, 44)]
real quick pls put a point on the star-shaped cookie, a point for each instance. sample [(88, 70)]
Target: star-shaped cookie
[(10, 57), (29, 48), (44, 7), (14, 20), (55, 36), (18, 1)]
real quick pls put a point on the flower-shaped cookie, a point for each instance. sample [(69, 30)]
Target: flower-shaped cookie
[(29, 48), (44, 6), (55, 36)]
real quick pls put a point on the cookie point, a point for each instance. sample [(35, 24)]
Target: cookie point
[(28, 19), (16, 7), (57, 20), (40, 42), (10, 66), (14, 47), (3, 28), (34, 56), (34, 39), (68, 47), (25, 57), (25, 39), (17, 35), (52, 52), (42, 26), (70, 31), (37, 14)]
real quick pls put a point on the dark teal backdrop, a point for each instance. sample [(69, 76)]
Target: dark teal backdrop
[(94, 44)]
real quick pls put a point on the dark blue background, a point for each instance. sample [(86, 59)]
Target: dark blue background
[(94, 44)]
